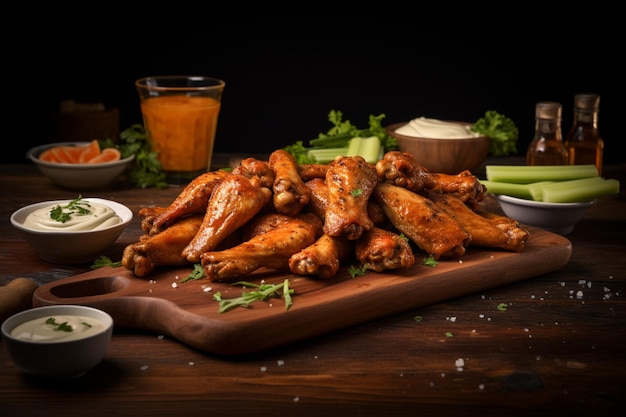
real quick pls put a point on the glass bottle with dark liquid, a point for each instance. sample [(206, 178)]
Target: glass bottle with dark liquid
[(547, 146), (583, 141)]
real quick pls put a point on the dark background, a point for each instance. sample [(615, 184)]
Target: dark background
[(286, 72)]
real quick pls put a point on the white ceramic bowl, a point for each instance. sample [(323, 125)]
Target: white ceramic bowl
[(60, 358), (447, 156), (555, 217), (71, 247), (78, 176)]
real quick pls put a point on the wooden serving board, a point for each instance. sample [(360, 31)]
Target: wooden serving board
[(188, 313)]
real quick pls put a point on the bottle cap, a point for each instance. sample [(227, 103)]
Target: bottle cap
[(548, 110), (587, 101)]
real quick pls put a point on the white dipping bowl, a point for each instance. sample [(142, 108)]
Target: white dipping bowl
[(555, 217), (57, 359), (78, 176), (71, 247)]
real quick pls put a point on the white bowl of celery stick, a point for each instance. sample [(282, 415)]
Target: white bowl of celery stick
[(553, 197)]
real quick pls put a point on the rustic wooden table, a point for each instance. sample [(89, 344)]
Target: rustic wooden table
[(559, 348)]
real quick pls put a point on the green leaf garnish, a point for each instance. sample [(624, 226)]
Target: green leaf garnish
[(60, 327), (77, 207), (356, 193), (103, 261), (197, 273), (502, 306), (262, 293), (431, 261), (357, 271)]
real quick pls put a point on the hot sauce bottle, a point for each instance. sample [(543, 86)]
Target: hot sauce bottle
[(583, 141), (547, 146)]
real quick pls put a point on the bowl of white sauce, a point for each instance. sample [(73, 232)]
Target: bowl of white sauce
[(71, 231), (58, 341)]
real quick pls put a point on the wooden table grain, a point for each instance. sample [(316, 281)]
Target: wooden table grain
[(559, 349)]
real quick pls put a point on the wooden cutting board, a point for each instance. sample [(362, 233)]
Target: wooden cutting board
[(188, 313)]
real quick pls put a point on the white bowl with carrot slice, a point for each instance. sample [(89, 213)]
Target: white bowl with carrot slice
[(79, 165)]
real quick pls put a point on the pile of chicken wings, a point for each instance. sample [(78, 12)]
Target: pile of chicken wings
[(311, 219)]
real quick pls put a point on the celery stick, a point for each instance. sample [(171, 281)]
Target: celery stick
[(507, 188), (324, 156), (524, 174), (580, 193), (536, 188), (368, 148)]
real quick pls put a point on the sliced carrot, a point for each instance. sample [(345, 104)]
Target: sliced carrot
[(107, 155), (89, 152)]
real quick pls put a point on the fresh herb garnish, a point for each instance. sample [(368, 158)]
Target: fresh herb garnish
[(61, 327), (262, 293), (64, 213), (430, 261), (147, 170), (357, 271), (356, 193), (502, 306), (105, 261), (197, 273)]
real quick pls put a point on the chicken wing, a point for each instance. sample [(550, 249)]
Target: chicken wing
[(401, 169), (234, 201), (162, 249), (193, 199), (379, 250), (497, 233), (271, 249), (256, 168), (323, 258), (422, 221), (350, 181), (290, 193)]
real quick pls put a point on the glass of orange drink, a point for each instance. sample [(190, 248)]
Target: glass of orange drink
[(180, 114)]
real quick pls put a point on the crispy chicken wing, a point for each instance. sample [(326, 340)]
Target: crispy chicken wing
[(401, 169), (271, 249), (319, 202), (162, 249), (321, 259), (501, 232), (290, 193), (234, 201), (193, 199), (379, 250), (309, 171), (350, 181), (422, 221), (256, 168)]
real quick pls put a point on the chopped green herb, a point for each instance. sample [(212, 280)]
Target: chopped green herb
[(197, 273), (417, 318), (85, 324), (356, 193), (64, 213), (449, 334), (502, 306), (262, 293), (431, 261), (357, 271), (61, 327), (103, 261)]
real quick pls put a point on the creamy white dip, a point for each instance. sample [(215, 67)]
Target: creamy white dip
[(58, 328), (424, 127), (90, 216)]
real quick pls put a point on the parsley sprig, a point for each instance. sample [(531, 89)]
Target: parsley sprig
[(147, 170), (63, 214), (262, 293)]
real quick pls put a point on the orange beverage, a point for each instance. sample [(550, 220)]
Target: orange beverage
[(182, 130), (180, 115)]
